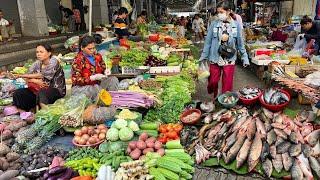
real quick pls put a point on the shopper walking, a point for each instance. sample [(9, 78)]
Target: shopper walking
[(198, 28), (221, 44)]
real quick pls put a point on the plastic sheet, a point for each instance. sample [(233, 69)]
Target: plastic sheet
[(90, 91)]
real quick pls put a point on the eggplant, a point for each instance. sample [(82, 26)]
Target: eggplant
[(56, 176), (67, 175), (57, 170), (46, 175)]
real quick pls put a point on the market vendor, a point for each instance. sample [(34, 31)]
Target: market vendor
[(310, 30), (277, 34), (120, 24), (89, 72), (45, 79), (223, 34)]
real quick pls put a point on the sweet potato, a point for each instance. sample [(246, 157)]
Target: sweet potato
[(4, 165), (151, 139), (4, 149), (12, 156), (145, 151), (143, 136), (135, 154), (141, 145), (6, 134), (9, 174), (150, 144)]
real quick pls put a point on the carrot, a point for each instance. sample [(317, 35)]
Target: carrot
[(82, 178)]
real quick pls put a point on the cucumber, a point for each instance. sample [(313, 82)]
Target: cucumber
[(153, 133), (173, 64), (149, 126), (174, 150)]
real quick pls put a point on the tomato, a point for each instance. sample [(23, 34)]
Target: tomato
[(172, 134), (163, 140), (177, 127), (162, 129)]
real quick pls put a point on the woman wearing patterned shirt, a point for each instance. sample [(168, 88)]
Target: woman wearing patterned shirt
[(88, 69), (47, 75)]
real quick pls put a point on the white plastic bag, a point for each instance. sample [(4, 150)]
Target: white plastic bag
[(313, 80), (204, 70), (299, 47)]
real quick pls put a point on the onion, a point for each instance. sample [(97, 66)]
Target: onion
[(85, 137), (76, 139), (84, 130), (103, 131), (102, 136), (82, 141), (101, 127), (97, 131), (92, 140), (78, 132)]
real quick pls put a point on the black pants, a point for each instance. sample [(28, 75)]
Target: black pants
[(26, 100)]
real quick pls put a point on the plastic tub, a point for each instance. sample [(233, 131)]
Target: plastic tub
[(225, 104), (275, 108), (188, 112), (249, 102)]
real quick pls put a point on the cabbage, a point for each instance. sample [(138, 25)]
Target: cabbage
[(125, 134), (120, 123), (113, 134), (133, 126)]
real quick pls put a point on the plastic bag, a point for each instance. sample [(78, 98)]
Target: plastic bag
[(299, 47), (313, 80), (90, 91), (101, 114), (204, 70)]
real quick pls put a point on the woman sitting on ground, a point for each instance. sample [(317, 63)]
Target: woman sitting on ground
[(46, 76)]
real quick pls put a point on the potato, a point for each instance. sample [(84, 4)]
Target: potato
[(143, 136), (151, 139), (141, 145), (4, 165), (145, 151), (160, 151), (150, 144), (157, 145), (132, 144), (128, 150), (135, 154)]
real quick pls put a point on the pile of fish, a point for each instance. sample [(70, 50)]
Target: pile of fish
[(249, 93), (273, 139), (275, 97), (228, 99)]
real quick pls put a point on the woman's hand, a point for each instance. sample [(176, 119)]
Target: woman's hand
[(40, 82)]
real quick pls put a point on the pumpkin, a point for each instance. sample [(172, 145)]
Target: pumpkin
[(105, 97)]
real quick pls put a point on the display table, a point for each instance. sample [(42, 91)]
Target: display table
[(266, 62)]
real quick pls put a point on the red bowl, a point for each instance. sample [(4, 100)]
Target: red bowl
[(91, 145), (249, 102), (275, 108), (154, 37), (188, 112)]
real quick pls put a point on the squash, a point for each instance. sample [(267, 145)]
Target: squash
[(105, 97)]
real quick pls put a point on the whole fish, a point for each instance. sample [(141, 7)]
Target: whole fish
[(267, 167), (299, 136), (268, 126), (264, 118), (295, 150), (255, 152), (312, 116), (313, 137), (278, 118), (280, 133), (279, 140), (230, 141), (238, 123), (277, 163), (268, 95), (273, 151), (283, 147), (204, 129), (306, 129), (307, 150), (261, 128), (216, 115), (304, 165), (276, 98), (265, 151), (213, 131), (316, 150), (222, 130), (279, 125), (293, 137), (243, 153), (287, 161), (287, 131), (251, 129), (232, 153), (268, 113), (296, 172), (271, 137), (315, 165)]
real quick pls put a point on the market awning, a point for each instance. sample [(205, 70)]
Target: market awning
[(178, 4)]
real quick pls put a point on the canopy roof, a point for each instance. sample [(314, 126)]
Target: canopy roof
[(179, 4)]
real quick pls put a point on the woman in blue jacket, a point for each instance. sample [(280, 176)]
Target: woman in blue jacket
[(223, 40)]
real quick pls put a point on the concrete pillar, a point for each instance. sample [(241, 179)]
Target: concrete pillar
[(139, 5), (33, 17), (100, 12), (149, 8)]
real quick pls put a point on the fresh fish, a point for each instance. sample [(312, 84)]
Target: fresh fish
[(271, 137), (204, 129), (315, 165), (230, 141), (232, 153), (268, 95), (231, 121), (264, 118), (279, 140), (287, 131), (216, 115), (256, 113), (268, 126), (207, 119), (296, 172), (287, 161), (268, 113), (293, 137), (313, 137), (243, 153), (306, 129), (251, 129), (213, 131), (265, 151), (295, 150), (222, 130), (312, 116), (283, 147), (261, 128), (307, 150), (302, 116), (273, 151), (276, 98), (304, 165), (279, 125), (277, 163), (278, 118), (299, 136), (255, 152), (316, 150), (226, 117), (267, 167), (280, 133), (239, 122)]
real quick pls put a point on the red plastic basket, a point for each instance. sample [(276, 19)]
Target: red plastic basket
[(154, 37), (249, 102), (275, 108), (188, 112)]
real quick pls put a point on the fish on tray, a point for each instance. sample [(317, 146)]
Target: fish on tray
[(275, 97), (249, 93)]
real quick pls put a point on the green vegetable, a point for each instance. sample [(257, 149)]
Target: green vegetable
[(185, 175), (211, 162), (120, 123), (185, 157), (174, 144), (125, 134), (156, 174), (149, 126), (153, 133), (168, 174), (133, 126), (113, 134), (174, 151), (180, 163), (133, 58), (163, 163), (86, 166)]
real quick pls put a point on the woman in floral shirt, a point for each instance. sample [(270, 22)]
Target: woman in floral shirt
[(89, 69)]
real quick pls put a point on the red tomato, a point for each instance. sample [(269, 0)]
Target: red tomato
[(172, 134), (163, 140), (163, 129), (177, 127)]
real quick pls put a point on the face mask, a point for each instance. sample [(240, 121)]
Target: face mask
[(222, 17)]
